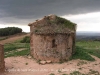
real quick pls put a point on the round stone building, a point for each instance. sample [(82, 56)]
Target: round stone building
[(52, 39)]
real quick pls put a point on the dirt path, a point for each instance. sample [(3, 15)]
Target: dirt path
[(26, 66), (13, 38)]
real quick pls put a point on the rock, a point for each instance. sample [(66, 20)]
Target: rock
[(43, 62), (29, 57), (49, 61)]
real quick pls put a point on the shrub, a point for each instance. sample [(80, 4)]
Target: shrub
[(9, 31), (26, 39)]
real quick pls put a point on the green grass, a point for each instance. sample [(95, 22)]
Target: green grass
[(52, 74), (3, 38), (82, 54), (84, 50), (14, 46), (91, 47), (64, 74), (67, 23), (77, 73), (18, 53), (11, 49), (92, 72), (26, 39), (81, 63)]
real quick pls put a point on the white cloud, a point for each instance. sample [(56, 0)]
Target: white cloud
[(86, 22)]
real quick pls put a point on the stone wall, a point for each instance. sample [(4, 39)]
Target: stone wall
[(55, 48), (2, 63)]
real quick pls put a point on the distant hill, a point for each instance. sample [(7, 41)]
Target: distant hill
[(88, 36)]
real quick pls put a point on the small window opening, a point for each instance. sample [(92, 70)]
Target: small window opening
[(53, 43)]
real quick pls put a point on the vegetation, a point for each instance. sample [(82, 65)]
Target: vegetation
[(52, 74), (76, 73), (81, 63), (9, 31), (82, 54), (16, 49), (92, 72), (63, 21), (3, 38), (83, 49), (64, 74), (26, 39), (55, 25), (90, 47), (66, 23)]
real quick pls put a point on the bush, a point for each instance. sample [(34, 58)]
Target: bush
[(82, 54), (9, 31), (26, 39)]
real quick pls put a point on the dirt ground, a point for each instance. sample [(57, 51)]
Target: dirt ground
[(27, 66), (13, 38)]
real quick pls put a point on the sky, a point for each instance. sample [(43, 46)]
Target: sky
[(19, 13)]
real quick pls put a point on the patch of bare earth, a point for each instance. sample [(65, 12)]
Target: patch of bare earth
[(28, 66), (13, 38)]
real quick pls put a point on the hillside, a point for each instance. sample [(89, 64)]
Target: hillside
[(85, 61), (12, 38), (88, 36)]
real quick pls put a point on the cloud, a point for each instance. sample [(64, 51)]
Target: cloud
[(86, 22), (24, 11)]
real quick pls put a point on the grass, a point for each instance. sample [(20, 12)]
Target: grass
[(13, 46), (52, 74), (18, 53), (82, 54), (26, 39), (76, 73), (17, 48), (81, 63), (11, 49), (3, 38), (91, 47), (83, 49), (64, 74), (67, 23), (93, 72)]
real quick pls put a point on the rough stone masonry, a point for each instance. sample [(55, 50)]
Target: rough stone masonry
[(2, 63), (52, 39)]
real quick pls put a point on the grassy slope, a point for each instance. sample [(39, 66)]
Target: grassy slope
[(11, 49), (83, 49), (12, 38)]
